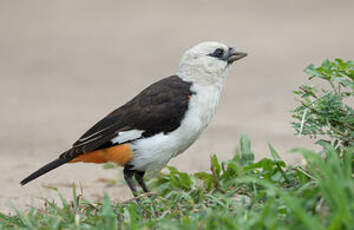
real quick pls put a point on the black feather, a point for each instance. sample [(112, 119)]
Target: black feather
[(46, 168)]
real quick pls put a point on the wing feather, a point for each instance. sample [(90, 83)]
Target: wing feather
[(158, 108)]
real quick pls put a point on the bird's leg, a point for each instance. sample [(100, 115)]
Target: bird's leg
[(139, 176), (128, 176)]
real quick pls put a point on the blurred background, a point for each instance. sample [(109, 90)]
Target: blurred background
[(65, 64)]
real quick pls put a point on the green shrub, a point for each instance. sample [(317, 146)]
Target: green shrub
[(324, 112)]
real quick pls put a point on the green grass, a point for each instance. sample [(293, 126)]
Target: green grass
[(236, 194)]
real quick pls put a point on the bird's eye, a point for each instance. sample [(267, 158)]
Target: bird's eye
[(219, 53)]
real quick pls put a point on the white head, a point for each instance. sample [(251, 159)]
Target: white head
[(208, 63)]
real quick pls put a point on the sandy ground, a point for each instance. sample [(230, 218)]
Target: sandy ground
[(65, 64)]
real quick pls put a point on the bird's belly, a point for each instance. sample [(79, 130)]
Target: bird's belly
[(153, 153)]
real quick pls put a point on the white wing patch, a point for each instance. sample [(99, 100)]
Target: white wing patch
[(127, 136)]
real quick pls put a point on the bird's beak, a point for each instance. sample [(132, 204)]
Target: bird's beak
[(234, 55)]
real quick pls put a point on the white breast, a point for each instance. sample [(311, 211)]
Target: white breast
[(152, 154)]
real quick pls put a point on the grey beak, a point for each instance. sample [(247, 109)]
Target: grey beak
[(234, 55)]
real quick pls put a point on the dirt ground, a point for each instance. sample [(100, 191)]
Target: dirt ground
[(65, 64)]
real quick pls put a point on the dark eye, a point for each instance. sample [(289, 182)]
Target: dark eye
[(219, 53)]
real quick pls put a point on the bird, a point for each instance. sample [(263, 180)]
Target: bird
[(158, 124)]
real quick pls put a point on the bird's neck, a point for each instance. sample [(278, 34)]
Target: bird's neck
[(202, 78)]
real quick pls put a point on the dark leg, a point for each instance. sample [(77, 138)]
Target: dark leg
[(128, 176), (139, 176)]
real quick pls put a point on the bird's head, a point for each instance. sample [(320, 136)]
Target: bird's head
[(208, 62)]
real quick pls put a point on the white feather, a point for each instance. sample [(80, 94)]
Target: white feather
[(127, 136)]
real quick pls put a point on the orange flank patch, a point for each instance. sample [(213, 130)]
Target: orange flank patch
[(119, 154)]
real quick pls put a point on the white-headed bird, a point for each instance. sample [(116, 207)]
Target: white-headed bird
[(161, 122)]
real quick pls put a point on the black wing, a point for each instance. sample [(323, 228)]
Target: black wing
[(158, 108)]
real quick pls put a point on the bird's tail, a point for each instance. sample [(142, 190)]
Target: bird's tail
[(46, 168)]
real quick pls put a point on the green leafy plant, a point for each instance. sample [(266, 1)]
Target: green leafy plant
[(324, 112)]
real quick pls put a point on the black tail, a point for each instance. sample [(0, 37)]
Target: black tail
[(46, 168)]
